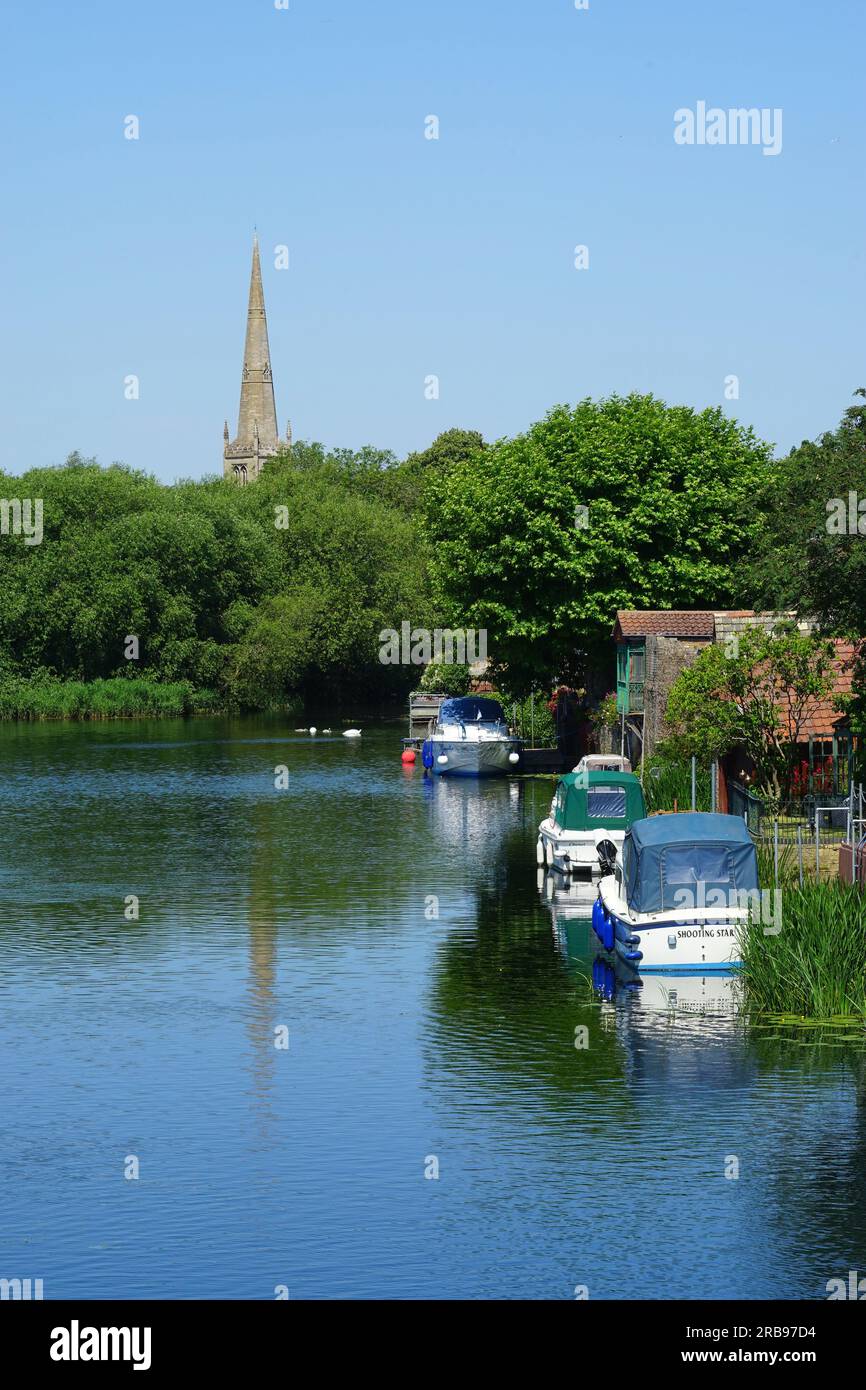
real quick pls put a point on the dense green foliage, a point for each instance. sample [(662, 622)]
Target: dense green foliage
[(42, 696), (244, 595), (533, 720), (261, 595), (808, 552), (440, 678), (815, 966), (620, 503)]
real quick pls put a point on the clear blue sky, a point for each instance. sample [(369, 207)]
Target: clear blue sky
[(410, 256)]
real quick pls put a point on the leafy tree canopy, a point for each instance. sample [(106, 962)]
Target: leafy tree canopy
[(256, 593), (809, 551), (624, 502)]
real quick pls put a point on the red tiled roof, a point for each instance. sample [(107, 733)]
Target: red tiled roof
[(682, 622), (823, 714)]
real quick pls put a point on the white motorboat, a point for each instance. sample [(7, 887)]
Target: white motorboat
[(470, 738), (590, 812), (680, 894)]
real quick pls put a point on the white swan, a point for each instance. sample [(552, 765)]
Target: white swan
[(313, 729), (302, 731), (351, 733), (326, 731)]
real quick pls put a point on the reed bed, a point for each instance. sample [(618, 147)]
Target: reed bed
[(117, 698), (667, 784), (814, 968)]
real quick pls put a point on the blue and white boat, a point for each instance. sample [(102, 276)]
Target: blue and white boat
[(680, 894), (470, 738)]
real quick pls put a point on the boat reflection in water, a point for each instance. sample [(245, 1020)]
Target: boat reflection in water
[(710, 994), (672, 1029), (569, 901), (680, 1034), (475, 817)]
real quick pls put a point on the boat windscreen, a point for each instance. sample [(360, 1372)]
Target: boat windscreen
[(605, 803), (697, 864), (466, 709)]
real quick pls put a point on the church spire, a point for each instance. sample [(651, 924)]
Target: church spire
[(257, 437)]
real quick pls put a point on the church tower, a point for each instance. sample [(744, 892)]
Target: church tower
[(257, 438)]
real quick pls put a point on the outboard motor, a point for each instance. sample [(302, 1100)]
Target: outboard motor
[(606, 851)]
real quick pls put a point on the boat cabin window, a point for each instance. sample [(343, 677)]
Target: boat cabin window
[(697, 864), (605, 803)]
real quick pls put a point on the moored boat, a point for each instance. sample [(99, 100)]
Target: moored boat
[(470, 738), (588, 820), (680, 893), (603, 762)]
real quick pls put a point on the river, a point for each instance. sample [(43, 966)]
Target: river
[(349, 1047)]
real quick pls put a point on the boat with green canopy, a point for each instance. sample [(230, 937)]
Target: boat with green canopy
[(589, 810)]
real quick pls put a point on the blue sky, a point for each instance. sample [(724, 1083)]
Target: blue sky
[(412, 257)]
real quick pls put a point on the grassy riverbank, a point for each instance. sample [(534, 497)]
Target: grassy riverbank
[(815, 966), (114, 698)]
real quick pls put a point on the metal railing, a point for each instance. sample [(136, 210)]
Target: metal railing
[(789, 821)]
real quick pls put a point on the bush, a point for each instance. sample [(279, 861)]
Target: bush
[(534, 723), (43, 696), (441, 679), (607, 715)]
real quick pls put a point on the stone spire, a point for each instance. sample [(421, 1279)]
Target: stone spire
[(257, 438)]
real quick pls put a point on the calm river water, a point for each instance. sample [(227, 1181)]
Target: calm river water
[(413, 1041)]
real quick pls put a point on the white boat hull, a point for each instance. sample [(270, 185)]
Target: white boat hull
[(674, 942), (574, 851), (475, 757)]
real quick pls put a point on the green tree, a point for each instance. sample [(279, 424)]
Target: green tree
[(756, 696), (440, 678), (448, 449), (256, 594), (806, 555), (620, 503)]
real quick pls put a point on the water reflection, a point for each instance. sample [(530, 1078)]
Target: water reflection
[(475, 816), (475, 1034)]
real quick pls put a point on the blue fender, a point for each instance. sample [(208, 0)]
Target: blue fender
[(607, 931), (596, 918), (427, 752)]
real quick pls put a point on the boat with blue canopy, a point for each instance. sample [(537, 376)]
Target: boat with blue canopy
[(680, 894), (470, 738), (589, 810)]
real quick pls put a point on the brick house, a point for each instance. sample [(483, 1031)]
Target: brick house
[(654, 646)]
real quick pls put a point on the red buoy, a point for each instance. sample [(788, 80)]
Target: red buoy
[(408, 755)]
